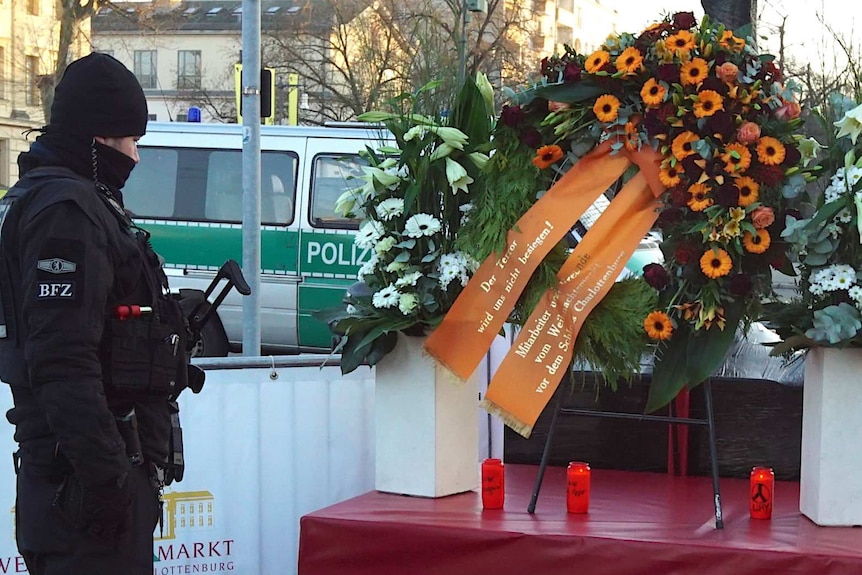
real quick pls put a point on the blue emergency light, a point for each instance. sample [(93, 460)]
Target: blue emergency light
[(194, 114)]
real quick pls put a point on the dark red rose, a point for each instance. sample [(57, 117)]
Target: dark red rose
[(791, 156), (684, 20), (776, 257), (653, 124), (512, 115), (720, 58), (572, 72), (727, 195), (668, 73), (683, 254), (668, 217), (679, 196), (531, 137), (714, 84), (721, 123), (769, 176), (740, 285), (548, 70), (656, 276), (691, 165)]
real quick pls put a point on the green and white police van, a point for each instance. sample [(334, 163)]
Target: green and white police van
[(187, 192)]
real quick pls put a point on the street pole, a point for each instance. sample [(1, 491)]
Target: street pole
[(462, 53), (251, 175)]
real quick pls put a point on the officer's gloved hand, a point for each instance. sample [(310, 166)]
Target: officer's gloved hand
[(107, 512)]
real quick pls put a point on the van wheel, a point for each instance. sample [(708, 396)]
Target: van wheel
[(213, 341)]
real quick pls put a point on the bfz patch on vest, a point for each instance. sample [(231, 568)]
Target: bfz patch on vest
[(59, 271)]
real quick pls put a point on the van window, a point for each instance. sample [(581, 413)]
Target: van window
[(206, 185), (333, 175)]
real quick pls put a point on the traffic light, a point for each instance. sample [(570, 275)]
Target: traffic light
[(267, 94)]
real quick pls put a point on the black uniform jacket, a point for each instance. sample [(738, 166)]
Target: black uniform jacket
[(71, 261)]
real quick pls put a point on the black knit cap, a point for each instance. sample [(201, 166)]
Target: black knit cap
[(98, 96)]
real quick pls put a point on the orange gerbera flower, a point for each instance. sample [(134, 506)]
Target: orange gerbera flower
[(730, 42), (682, 42), (653, 93), (749, 190), (596, 61), (699, 199), (606, 108), (658, 325), (630, 61), (682, 145), (694, 72), (736, 158), (547, 155), (708, 103), (770, 151), (715, 263), (756, 243), (670, 175)]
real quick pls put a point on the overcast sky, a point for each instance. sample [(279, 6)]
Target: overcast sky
[(806, 38)]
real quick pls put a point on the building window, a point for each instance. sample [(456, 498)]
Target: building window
[(33, 7), (189, 70), (145, 68), (31, 67)]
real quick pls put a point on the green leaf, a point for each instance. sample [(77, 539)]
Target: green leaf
[(690, 357), (381, 346), (576, 92)]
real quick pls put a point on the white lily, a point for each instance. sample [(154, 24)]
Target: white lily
[(374, 117), (385, 178), (452, 136), (487, 91), (457, 176), (346, 202), (415, 132), (479, 159), (808, 149), (442, 151), (850, 124)]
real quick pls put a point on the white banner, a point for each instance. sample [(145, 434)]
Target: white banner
[(260, 453)]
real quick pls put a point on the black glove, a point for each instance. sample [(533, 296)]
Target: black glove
[(107, 511), (104, 512)]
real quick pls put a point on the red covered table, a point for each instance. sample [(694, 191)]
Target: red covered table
[(639, 523)]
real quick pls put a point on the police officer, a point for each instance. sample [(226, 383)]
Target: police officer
[(91, 346)]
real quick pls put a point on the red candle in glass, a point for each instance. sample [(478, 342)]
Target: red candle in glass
[(762, 484), (578, 487), (493, 484)]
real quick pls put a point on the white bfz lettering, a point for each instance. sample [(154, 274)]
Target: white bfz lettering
[(60, 290)]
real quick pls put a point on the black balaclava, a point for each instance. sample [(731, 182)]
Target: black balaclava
[(97, 96)]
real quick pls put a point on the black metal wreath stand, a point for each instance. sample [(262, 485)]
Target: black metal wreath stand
[(709, 422)]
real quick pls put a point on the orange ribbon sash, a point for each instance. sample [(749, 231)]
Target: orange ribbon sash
[(476, 317)]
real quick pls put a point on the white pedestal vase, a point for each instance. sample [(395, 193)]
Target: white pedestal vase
[(830, 485), (425, 425)]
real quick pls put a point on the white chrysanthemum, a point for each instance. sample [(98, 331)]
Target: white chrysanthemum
[(385, 244), (421, 225), (368, 267), (351, 309), (855, 293), (408, 279), (386, 298), (845, 216), (408, 302), (451, 267), (369, 232), (815, 289), (390, 208), (844, 276)]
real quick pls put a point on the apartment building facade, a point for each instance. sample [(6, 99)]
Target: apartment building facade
[(29, 30)]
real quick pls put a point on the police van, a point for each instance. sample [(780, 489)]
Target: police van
[(187, 192)]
